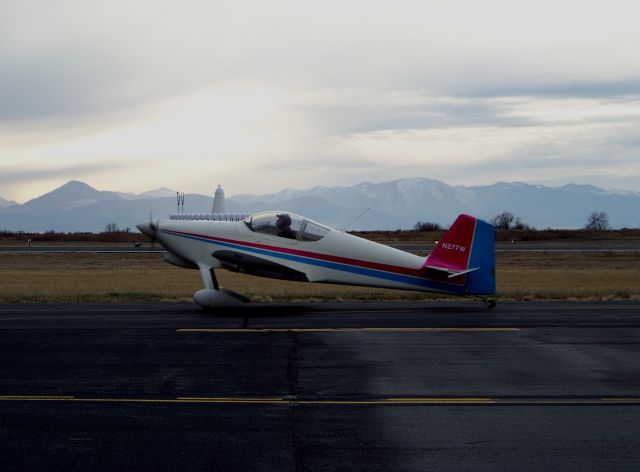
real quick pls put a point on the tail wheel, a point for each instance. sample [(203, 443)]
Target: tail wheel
[(490, 304)]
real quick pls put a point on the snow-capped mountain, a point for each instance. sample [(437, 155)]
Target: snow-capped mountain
[(397, 204), (6, 203), (401, 203)]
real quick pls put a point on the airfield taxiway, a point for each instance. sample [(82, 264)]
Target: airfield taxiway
[(353, 386)]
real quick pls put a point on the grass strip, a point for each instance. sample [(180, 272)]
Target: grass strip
[(120, 278)]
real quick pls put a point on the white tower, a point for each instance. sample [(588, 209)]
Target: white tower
[(219, 203)]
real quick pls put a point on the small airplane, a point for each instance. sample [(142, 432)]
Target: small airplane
[(286, 246)]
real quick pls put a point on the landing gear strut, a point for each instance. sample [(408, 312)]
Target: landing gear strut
[(213, 296)]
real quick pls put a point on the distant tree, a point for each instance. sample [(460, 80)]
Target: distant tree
[(427, 226), (597, 221), (519, 225), (111, 228), (503, 220), (507, 220)]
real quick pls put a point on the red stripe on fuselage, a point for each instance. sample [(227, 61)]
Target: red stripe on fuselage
[(312, 255)]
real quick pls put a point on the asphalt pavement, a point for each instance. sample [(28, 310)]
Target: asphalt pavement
[(326, 386)]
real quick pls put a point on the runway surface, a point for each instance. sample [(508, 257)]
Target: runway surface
[(384, 386)]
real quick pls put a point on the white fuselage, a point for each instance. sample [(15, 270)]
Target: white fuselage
[(337, 257)]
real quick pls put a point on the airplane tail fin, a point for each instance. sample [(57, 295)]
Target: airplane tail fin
[(466, 254)]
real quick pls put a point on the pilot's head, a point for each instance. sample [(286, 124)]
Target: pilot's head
[(284, 221)]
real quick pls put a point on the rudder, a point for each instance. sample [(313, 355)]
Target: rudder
[(483, 256)]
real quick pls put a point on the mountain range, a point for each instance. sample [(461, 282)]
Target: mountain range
[(6, 203), (398, 204)]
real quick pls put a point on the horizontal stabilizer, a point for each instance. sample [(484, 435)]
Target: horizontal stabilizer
[(451, 273)]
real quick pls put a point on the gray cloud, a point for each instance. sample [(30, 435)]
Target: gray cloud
[(76, 83), (611, 163), (68, 81), (90, 59), (424, 112), (91, 63), (72, 61), (426, 115), (605, 89), (15, 176), (314, 161)]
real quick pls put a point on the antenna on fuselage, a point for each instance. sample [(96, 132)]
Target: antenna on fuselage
[(357, 218)]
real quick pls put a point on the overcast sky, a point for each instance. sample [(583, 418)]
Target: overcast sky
[(265, 95)]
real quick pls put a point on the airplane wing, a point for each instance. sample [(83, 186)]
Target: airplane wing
[(241, 262)]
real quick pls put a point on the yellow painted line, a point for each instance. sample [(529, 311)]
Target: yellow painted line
[(408, 401), (139, 400), (548, 401), (34, 397), (446, 400), (233, 399), (343, 330), (401, 401), (372, 401), (228, 400), (621, 400), (342, 402), (443, 330)]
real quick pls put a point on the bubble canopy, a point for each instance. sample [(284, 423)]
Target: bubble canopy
[(286, 225)]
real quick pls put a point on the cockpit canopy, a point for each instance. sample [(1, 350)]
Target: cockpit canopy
[(286, 225)]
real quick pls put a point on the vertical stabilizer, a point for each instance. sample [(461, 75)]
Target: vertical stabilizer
[(467, 249)]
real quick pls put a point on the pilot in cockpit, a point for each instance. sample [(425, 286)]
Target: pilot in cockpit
[(284, 226)]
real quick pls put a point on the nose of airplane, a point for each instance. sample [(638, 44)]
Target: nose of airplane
[(148, 228)]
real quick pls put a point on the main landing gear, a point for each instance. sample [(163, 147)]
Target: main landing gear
[(214, 296)]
